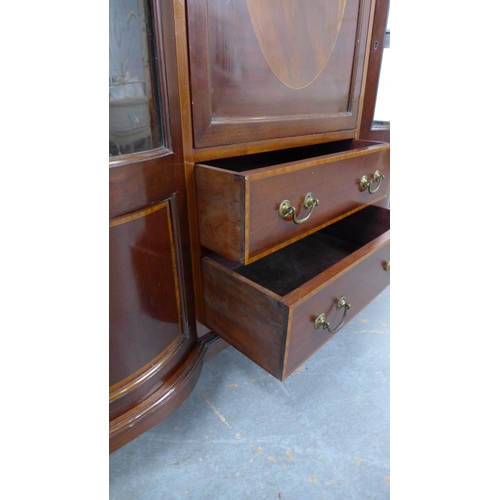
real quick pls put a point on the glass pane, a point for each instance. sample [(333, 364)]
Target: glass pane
[(134, 118), (382, 110)]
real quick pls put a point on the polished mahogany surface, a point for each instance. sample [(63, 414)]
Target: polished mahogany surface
[(360, 282), (144, 293), (247, 316), (232, 79), (161, 403), (267, 309), (263, 69), (149, 331), (239, 198), (152, 323)]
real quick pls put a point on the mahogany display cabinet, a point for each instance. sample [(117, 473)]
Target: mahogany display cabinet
[(247, 193)]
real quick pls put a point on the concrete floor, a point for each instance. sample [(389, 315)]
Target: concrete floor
[(323, 433)]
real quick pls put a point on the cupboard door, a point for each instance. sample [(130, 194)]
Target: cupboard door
[(267, 69), (148, 330), (154, 358)]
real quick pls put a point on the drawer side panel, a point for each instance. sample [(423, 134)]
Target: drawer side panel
[(220, 204), (246, 317)]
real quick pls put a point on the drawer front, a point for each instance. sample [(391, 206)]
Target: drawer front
[(360, 284), (336, 185), (239, 212)]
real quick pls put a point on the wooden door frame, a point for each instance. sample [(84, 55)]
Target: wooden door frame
[(367, 129)]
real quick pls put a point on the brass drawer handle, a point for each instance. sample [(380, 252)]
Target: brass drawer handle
[(320, 321), (365, 183), (286, 208), (387, 266)]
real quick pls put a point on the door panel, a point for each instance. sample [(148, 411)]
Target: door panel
[(145, 297), (152, 324), (263, 69)]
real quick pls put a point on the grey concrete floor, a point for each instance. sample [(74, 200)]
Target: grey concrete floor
[(241, 434)]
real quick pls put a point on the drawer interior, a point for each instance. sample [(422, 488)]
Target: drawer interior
[(287, 269), (261, 160)]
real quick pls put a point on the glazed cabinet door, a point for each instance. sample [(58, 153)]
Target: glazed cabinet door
[(268, 69), (151, 317)]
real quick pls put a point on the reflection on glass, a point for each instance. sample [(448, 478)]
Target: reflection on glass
[(133, 103), (382, 114)]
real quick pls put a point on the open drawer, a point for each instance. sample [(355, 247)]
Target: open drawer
[(277, 310), (252, 205)]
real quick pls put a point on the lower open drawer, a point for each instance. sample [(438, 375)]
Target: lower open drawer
[(278, 310)]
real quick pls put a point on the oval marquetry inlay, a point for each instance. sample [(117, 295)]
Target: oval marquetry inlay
[(297, 37)]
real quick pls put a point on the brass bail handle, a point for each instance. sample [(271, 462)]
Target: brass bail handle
[(286, 208), (377, 178), (320, 321)]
